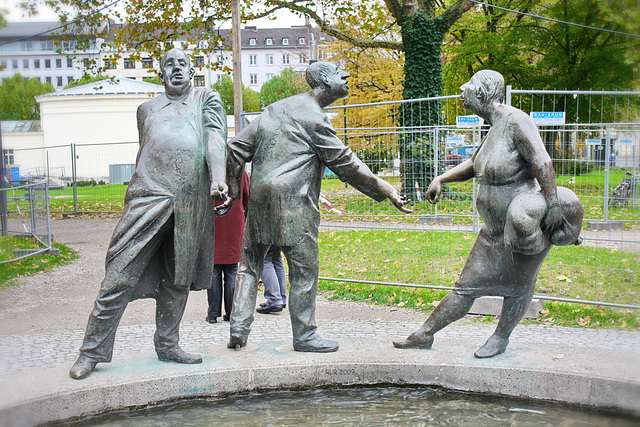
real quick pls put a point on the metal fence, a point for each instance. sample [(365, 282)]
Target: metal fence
[(596, 153), (25, 224)]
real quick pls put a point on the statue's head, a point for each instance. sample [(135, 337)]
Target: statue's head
[(484, 88), (329, 78), (175, 71)]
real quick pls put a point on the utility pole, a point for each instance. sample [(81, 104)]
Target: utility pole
[(237, 61)]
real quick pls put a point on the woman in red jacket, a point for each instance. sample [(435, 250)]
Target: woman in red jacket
[(226, 256)]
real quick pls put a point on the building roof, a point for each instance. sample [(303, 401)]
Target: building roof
[(20, 126), (117, 86)]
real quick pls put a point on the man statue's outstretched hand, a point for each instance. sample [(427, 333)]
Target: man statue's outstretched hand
[(400, 202)]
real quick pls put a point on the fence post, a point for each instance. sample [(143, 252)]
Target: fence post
[(436, 140), (3, 194), (74, 178), (507, 97), (607, 155)]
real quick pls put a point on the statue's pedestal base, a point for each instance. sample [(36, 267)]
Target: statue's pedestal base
[(491, 306)]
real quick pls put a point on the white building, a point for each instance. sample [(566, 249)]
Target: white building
[(265, 53)]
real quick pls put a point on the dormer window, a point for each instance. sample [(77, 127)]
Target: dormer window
[(302, 40), (285, 41), (269, 41), (252, 42)]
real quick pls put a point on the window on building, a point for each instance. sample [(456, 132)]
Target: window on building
[(285, 59), (270, 76), (69, 62), (253, 59), (268, 41), (14, 64), (25, 64), (147, 63), (47, 79), (269, 59), (304, 58), (285, 41), (253, 79), (129, 64), (69, 79), (86, 62), (252, 42), (198, 81), (199, 60), (110, 64), (302, 40), (148, 79), (58, 62), (220, 59), (47, 63), (59, 81), (36, 64), (3, 65), (219, 77), (9, 158)]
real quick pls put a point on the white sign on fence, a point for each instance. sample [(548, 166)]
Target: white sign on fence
[(454, 140), (593, 141), (471, 121), (548, 118)]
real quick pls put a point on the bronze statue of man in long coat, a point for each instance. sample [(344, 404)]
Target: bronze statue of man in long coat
[(162, 247)]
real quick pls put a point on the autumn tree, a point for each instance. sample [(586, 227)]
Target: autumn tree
[(17, 98)]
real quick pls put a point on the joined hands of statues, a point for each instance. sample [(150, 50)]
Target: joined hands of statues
[(225, 207), (400, 202)]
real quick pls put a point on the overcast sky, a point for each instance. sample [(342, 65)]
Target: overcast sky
[(285, 18)]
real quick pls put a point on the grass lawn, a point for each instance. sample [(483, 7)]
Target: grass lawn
[(30, 265), (436, 258)]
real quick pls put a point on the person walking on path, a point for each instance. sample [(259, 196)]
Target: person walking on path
[(228, 247), (162, 246), (290, 144), (274, 279)]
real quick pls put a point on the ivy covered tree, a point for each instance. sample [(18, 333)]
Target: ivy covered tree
[(17, 98)]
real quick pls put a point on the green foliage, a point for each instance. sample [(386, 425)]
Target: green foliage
[(17, 98), (87, 79), (250, 98), (284, 85), (542, 54)]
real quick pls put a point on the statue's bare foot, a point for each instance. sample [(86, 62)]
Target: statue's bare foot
[(418, 339), (494, 346)]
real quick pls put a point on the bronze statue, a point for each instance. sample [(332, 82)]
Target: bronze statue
[(162, 247), (523, 211), (290, 145)]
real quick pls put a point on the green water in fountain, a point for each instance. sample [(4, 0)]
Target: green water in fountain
[(375, 406)]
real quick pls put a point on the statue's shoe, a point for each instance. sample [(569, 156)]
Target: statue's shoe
[(82, 368), (237, 341), (317, 345), (179, 355), (415, 340)]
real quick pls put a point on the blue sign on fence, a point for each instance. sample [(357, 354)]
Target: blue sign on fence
[(548, 118), (626, 141), (471, 121), (454, 141), (593, 141)]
